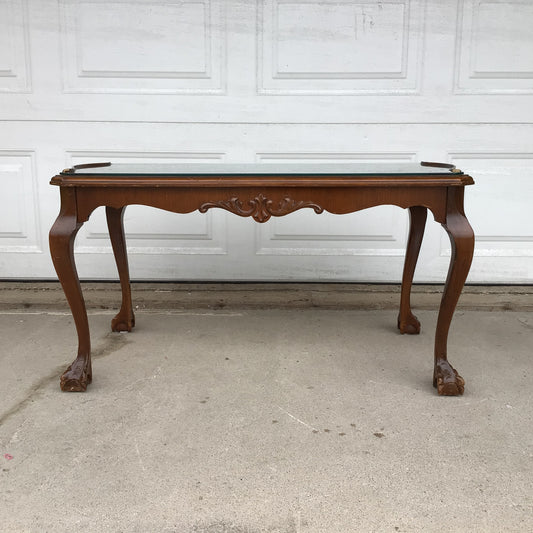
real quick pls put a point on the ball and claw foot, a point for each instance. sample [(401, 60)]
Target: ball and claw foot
[(77, 376), (409, 325), (446, 379), (123, 322)]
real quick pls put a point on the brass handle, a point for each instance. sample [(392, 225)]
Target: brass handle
[(449, 166), (73, 169)]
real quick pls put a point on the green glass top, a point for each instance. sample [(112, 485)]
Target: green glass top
[(222, 169)]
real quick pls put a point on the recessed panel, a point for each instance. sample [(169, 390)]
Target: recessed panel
[(162, 39), (350, 39), (143, 46), (379, 231), (343, 46), (14, 60), (6, 42), (495, 48), (503, 48), (154, 231), (499, 206), (18, 212)]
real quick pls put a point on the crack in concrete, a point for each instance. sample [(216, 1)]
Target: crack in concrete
[(112, 343), (291, 525), (525, 323), (34, 391)]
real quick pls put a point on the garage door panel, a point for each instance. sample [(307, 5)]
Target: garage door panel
[(499, 206), (379, 232), (15, 65), (495, 58), (157, 232), (344, 47), (19, 213), (143, 47), (154, 231)]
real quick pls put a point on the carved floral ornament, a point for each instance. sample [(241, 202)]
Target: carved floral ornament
[(261, 208)]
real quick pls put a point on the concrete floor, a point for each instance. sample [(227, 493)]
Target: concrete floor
[(279, 421)]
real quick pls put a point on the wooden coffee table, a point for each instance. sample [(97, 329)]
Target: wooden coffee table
[(260, 192)]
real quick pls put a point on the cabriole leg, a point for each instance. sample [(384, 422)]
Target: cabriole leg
[(445, 378), (79, 374), (125, 319), (407, 322)]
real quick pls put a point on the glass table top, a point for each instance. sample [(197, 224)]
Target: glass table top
[(285, 169)]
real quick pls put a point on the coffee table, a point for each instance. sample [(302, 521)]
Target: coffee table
[(262, 191)]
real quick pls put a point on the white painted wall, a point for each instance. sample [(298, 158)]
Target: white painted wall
[(272, 80)]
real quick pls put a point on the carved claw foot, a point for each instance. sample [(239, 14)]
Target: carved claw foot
[(409, 325), (123, 322), (77, 376), (446, 379)]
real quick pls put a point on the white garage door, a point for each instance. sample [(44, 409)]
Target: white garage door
[(268, 81)]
